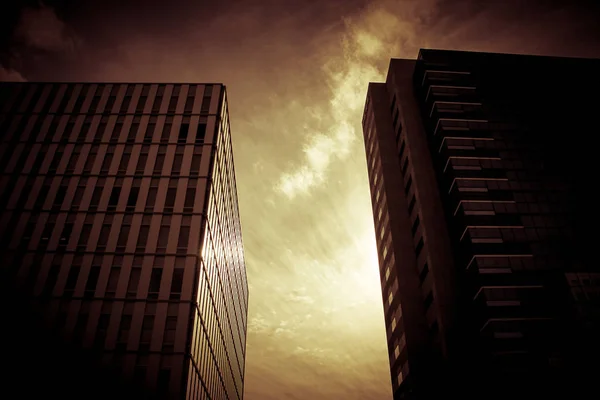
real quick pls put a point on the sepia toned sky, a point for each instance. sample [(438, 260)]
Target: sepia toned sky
[(296, 74)]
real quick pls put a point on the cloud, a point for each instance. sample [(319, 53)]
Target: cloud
[(258, 324), (40, 28), (10, 75), (366, 46), (299, 296)]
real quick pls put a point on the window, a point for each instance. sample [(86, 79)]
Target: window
[(133, 197), (73, 161), (65, 100), (110, 104), (134, 281), (155, 279), (195, 167), (142, 238), (50, 99), (104, 235), (100, 132), (84, 236), (116, 133), (113, 280), (65, 235), (46, 234), (157, 103), (147, 325), (106, 164), (123, 236), (90, 286), (177, 282), (72, 279), (177, 164), (60, 197), (200, 133), (141, 165), (149, 132), (158, 166), (151, 200), (170, 199), (190, 196), (95, 201), (80, 99), (39, 160), (163, 238), (166, 132), (170, 328), (184, 234), (124, 162), (189, 102), (141, 103), (183, 132), (125, 104), (204, 109), (95, 101), (55, 161), (114, 198), (131, 134), (124, 328), (172, 104), (85, 128)]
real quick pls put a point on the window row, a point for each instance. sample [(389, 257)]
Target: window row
[(99, 276), (153, 160), (107, 98), (48, 128), (120, 194), (113, 233)]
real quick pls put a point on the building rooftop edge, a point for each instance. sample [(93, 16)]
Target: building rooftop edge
[(116, 83), (493, 53)]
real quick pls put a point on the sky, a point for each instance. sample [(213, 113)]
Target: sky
[(296, 74)]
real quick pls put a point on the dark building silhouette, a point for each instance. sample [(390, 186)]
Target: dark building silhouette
[(482, 173), (122, 259)]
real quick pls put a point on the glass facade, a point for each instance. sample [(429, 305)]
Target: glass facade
[(119, 220), (479, 207)]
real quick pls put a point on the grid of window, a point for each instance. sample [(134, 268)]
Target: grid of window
[(220, 321), (103, 190), (509, 218)]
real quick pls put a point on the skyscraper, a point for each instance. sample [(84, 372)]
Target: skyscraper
[(480, 170), (120, 229)]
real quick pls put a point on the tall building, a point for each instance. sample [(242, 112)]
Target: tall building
[(121, 240), (481, 170)]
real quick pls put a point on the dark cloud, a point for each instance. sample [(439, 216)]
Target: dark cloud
[(40, 29), (10, 75)]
